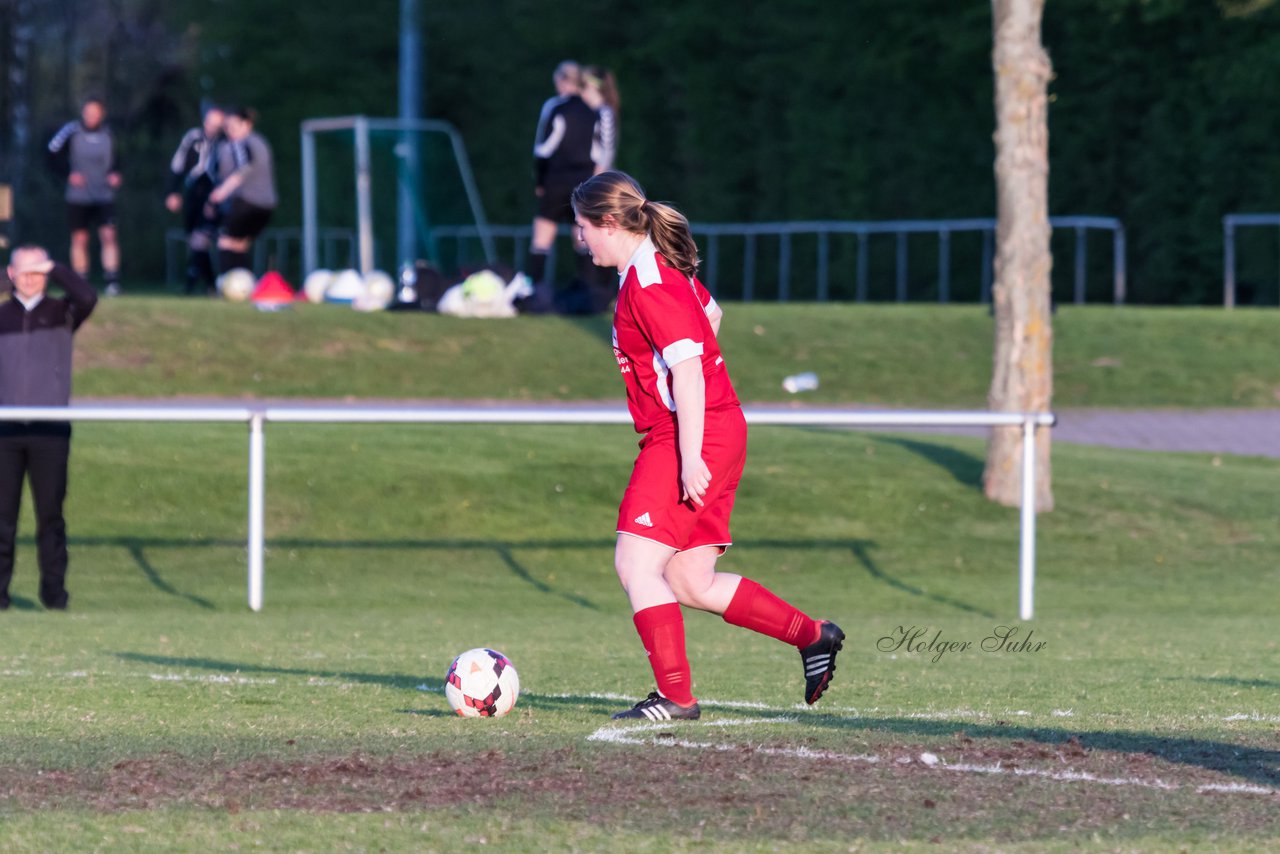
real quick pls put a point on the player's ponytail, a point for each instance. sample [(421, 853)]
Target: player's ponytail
[(618, 195), (671, 237)]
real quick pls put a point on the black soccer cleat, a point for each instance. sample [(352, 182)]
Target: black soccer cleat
[(819, 660), (656, 707)]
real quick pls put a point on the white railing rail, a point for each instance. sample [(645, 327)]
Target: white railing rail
[(257, 416)]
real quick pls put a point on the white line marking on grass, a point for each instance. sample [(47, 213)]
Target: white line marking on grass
[(1230, 788), (1061, 776), (215, 679), (1255, 717), (660, 735), (626, 735)]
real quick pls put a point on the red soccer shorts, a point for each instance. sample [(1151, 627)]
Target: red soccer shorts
[(651, 507)]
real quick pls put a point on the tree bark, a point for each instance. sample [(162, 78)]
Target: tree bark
[(1022, 379)]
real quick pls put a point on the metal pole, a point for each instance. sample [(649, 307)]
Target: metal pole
[(1228, 262), (901, 283), (257, 490), (784, 267), (863, 266), (1118, 260), (1082, 250), (310, 223), (364, 197), (944, 266), (1027, 552), (410, 99), (988, 238), (824, 266)]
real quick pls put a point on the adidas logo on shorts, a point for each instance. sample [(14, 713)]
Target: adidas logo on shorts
[(644, 519)]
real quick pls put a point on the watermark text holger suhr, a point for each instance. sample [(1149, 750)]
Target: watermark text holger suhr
[(923, 640)]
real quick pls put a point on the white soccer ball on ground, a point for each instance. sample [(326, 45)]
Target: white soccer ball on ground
[(481, 683), (379, 291), (316, 283), (345, 287), (237, 285)]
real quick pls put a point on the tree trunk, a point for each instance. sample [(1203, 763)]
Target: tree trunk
[(1022, 380)]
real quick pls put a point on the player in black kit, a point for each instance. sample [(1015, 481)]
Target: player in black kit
[(192, 177), (562, 160)]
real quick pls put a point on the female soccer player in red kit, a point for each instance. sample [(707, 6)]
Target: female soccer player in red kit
[(673, 524)]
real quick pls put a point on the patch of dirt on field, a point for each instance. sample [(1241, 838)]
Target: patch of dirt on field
[(729, 791)]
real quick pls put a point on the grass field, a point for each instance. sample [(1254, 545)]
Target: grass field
[(159, 714), (887, 355)]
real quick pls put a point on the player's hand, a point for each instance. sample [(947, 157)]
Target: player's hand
[(114, 180), (695, 479), (76, 179), (173, 202), (217, 196)]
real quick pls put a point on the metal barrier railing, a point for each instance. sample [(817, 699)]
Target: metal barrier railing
[(256, 418), (823, 232), (1230, 222)]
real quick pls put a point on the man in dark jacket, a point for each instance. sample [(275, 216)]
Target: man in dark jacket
[(35, 370)]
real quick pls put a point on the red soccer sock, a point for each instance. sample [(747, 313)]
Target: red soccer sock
[(756, 608), (661, 631)]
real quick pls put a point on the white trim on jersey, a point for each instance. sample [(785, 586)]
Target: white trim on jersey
[(645, 262), (64, 133), (548, 146), (678, 351), (711, 305), (661, 371)]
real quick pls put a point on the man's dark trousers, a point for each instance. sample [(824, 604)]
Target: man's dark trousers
[(39, 452)]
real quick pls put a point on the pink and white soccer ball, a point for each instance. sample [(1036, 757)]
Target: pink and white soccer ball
[(481, 683)]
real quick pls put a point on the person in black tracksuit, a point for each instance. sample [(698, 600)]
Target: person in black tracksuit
[(562, 151), (35, 370), (193, 175)]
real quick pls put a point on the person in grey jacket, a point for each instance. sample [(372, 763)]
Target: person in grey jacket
[(247, 192), (35, 370), (84, 151)]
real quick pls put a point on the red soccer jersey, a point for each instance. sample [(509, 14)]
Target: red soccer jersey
[(661, 320)]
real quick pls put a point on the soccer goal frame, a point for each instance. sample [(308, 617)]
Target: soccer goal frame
[(361, 127)]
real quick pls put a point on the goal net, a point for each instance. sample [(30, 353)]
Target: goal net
[(381, 188)]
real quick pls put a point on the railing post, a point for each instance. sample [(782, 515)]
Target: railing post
[(1082, 256), (1228, 262), (1027, 550), (944, 266), (748, 267), (988, 240), (824, 264), (1118, 261), (900, 283), (784, 267), (713, 262), (257, 490), (863, 265)]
